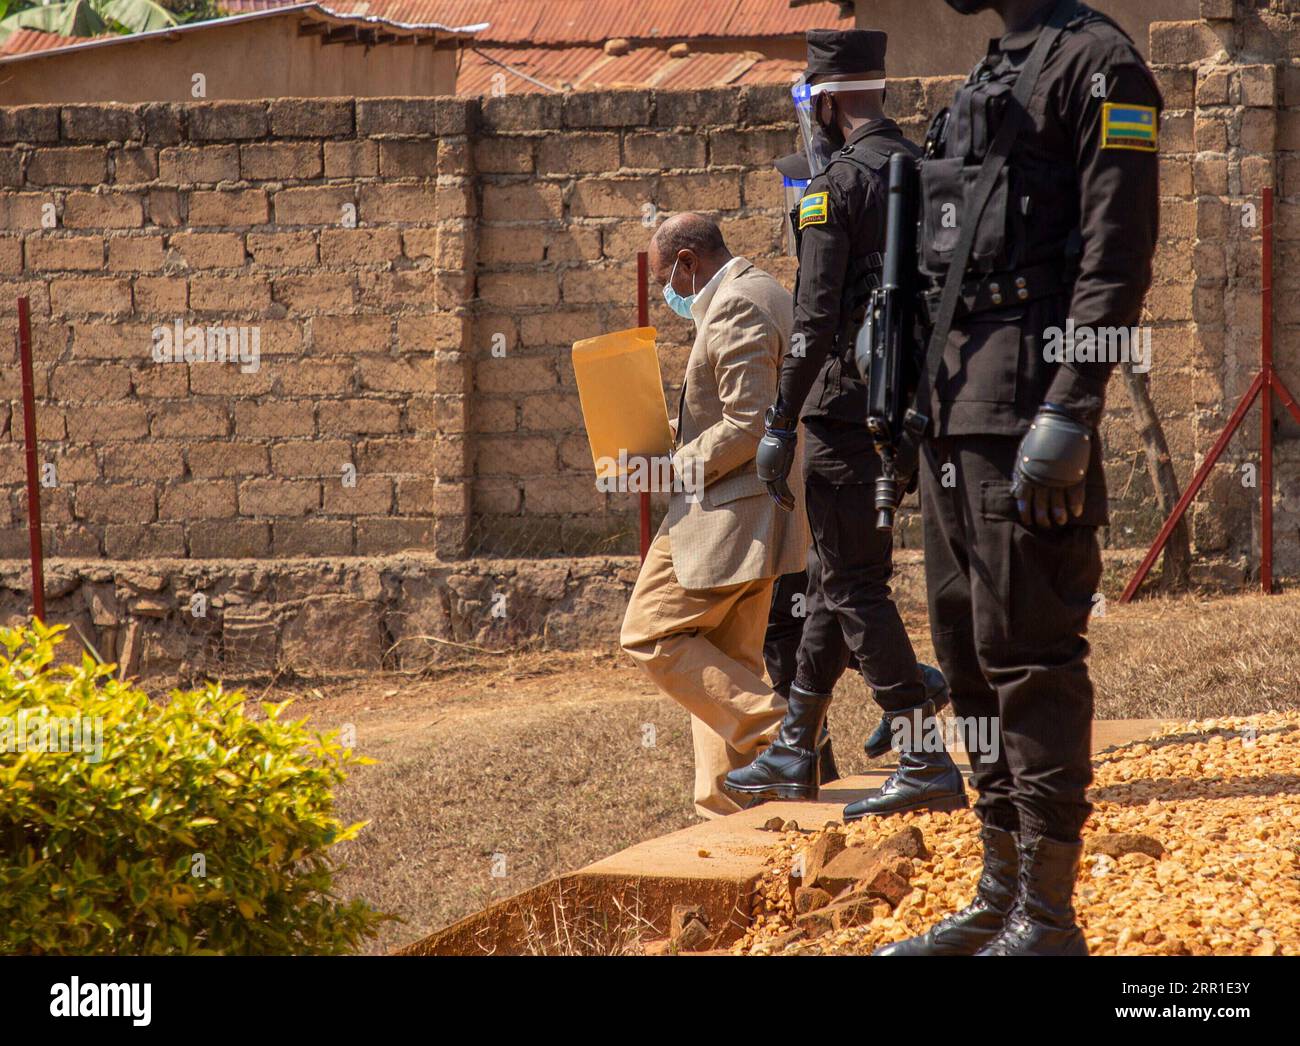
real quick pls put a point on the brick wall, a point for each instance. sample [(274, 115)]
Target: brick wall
[(428, 347)]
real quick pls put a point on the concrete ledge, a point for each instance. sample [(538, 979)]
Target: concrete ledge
[(715, 864)]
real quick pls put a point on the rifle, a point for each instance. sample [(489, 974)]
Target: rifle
[(888, 347)]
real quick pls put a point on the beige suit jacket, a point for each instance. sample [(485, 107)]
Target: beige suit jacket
[(733, 532)]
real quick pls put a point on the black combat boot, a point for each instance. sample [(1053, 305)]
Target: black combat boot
[(936, 693), (1042, 919), (967, 931), (924, 780), (827, 771), (788, 768)]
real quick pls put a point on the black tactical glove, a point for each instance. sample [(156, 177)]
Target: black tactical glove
[(775, 457), (1052, 468)]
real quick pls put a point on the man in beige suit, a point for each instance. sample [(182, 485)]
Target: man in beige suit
[(699, 611)]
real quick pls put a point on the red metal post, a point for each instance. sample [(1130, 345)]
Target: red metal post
[(1266, 383), (33, 470), (643, 320), (1266, 421)]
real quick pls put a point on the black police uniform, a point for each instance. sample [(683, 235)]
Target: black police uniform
[(840, 233), (1069, 234)]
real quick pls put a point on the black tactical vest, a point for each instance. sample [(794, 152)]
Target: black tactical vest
[(1029, 222)]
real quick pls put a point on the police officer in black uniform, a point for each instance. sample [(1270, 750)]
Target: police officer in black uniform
[(1058, 130), (840, 229)]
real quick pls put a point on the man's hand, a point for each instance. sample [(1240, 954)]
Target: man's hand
[(775, 457), (1052, 468)]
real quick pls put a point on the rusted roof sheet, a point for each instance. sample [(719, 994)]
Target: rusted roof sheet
[(483, 69), (550, 23), (26, 41)]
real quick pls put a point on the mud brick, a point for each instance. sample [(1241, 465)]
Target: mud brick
[(611, 198), (427, 333), (318, 459), (519, 289), (239, 458), (144, 461), (236, 294), (79, 382), (607, 108), (199, 499), (350, 334), (456, 115), (700, 192), (229, 539), (456, 201), (766, 104), (208, 250), (371, 495), (115, 503), (11, 255), (521, 202), (1183, 43), (155, 541), (162, 123), (379, 536), (562, 327), (509, 155), (523, 112), (187, 165), (312, 537), (659, 152), (90, 296), (407, 456), (101, 123), (191, 420), (322, 291), (314, 205), (587, 286), (48, 253), (135, 166), (588, 153), (423, 243), (29, 123), (161, 295), (117, 210), (384, 116), (515, 456), (351, 159), (278, 497), (283, 250), (229, 379), (436, 414), (398, 203), (346, 247), (359, 416), (163, 207), (228, 207), (749, 148), (78, 165), (226, 120), (279, 418), (408, 159), (311, 117), (280, 161)]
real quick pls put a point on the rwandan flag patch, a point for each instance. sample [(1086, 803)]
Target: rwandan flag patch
[(813, 209), (1130, 127)]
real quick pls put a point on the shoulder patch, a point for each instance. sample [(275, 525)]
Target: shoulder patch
[(814, 209), (1130, 127)]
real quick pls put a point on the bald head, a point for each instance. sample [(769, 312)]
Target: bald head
[(693, 245)]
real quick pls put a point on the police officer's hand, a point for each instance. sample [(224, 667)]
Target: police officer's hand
[(1052, 469), (775, 457)]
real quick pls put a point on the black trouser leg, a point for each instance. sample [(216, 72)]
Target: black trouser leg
[(1009, 607), (785, 626), (856, 567)]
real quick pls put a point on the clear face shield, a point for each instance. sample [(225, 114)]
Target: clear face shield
[(816, 146)]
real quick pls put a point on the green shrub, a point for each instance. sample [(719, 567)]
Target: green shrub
[(192, 829)]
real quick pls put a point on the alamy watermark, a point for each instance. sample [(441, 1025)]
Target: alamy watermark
[(1127, 345), (638, 474), (214, 343), (919, 732), (38, 732)]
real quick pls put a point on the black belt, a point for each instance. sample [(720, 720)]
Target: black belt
[(1005, 290)]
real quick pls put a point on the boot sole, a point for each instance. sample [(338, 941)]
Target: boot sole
[(955, 802), (793, 793)]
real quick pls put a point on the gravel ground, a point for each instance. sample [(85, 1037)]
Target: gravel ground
[(1218, 799)]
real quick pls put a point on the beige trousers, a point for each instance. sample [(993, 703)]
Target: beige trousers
[(704, 649)]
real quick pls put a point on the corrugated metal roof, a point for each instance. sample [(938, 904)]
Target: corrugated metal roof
[(311, 11), (25, 41), (590, 68), (552, 22)]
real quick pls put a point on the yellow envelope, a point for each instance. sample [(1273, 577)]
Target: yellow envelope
[(622, 395)]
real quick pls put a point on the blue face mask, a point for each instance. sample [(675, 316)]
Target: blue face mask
[(677, 302)]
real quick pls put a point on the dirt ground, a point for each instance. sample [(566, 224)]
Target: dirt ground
[(502, 770)]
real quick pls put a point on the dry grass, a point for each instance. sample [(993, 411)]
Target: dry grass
[(540, 757)]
